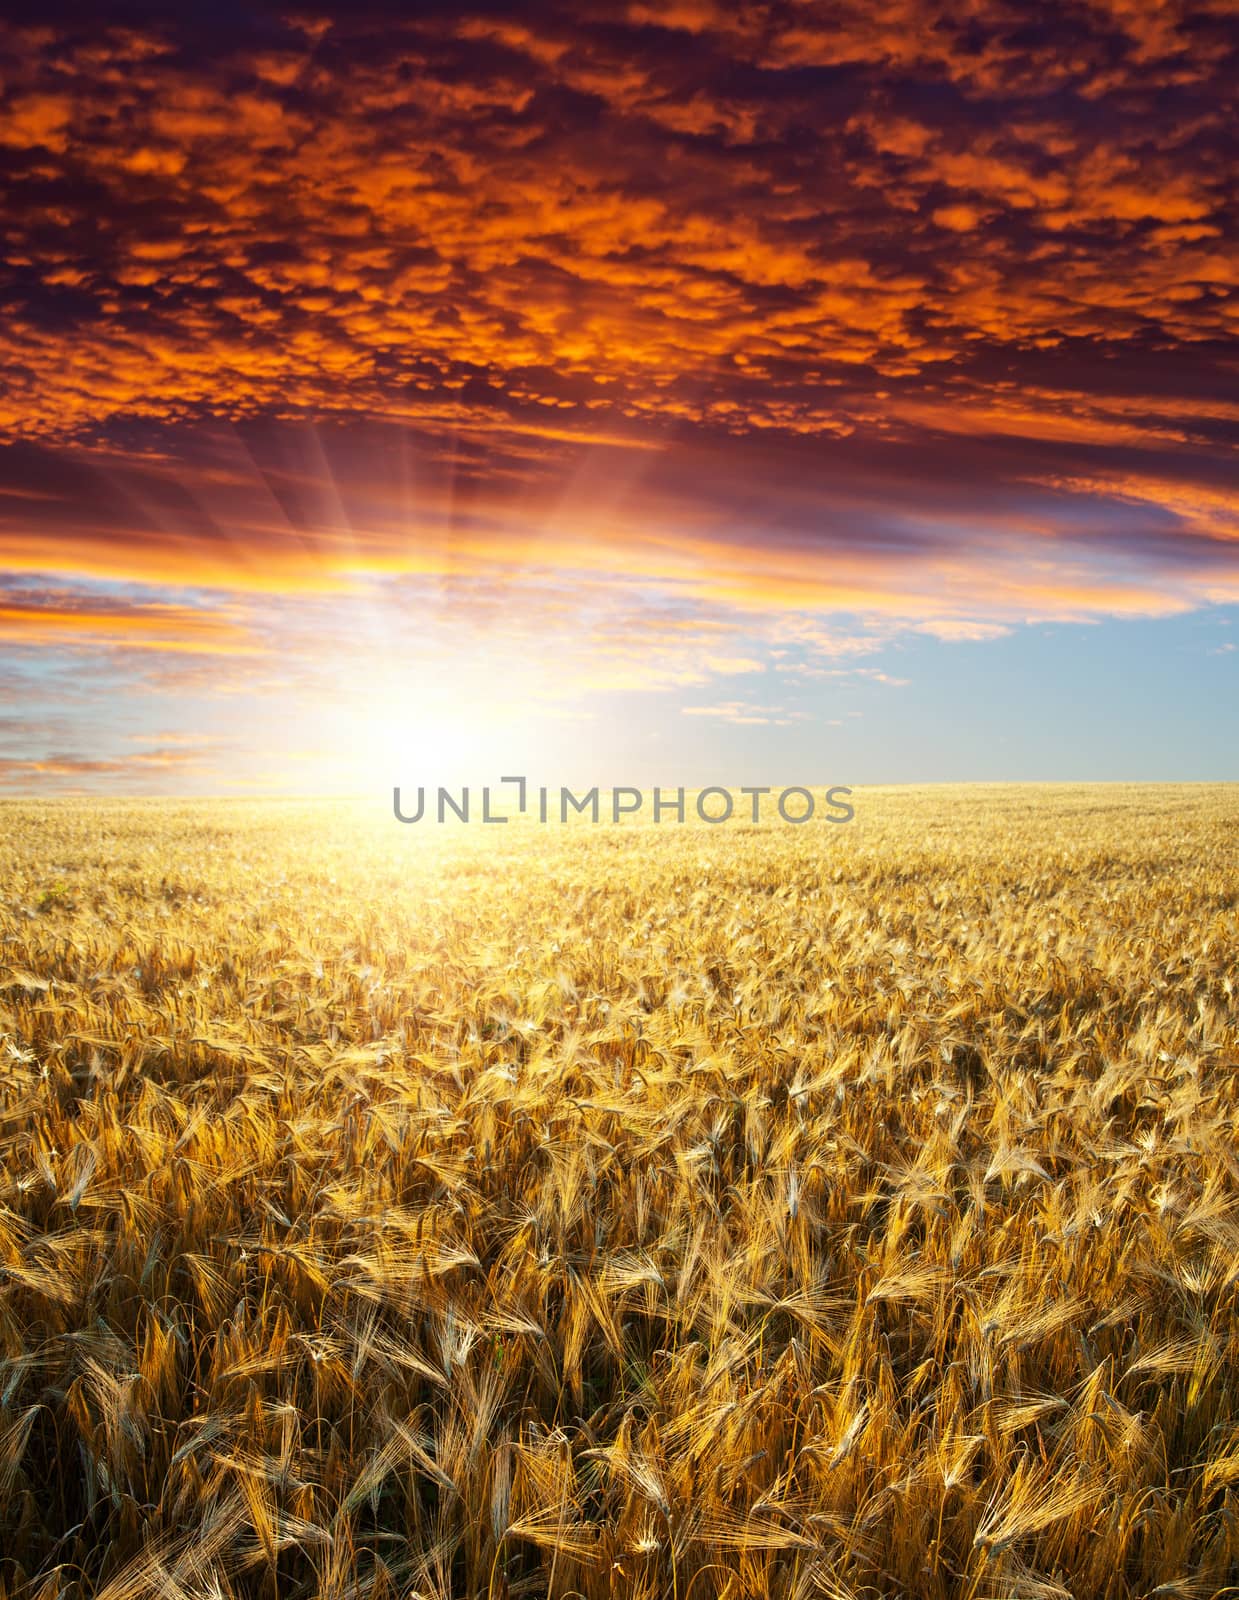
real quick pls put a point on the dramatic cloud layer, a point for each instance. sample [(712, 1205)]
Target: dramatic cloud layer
[(754, 315)]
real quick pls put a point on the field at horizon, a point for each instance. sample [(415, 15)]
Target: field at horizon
[(673, 1210)]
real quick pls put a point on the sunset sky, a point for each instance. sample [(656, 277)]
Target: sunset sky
[(678, 392)]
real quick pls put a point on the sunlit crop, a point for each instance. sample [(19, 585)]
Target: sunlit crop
[(674, 1211)]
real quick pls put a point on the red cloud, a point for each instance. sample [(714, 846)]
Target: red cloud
[(925, 317)]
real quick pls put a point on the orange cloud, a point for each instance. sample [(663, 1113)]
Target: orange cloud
[(139, 769), (702, 313), (74, 620), (547, 216)]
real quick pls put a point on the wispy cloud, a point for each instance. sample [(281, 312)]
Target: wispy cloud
[(743, 713)]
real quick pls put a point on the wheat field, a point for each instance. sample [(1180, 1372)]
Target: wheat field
[(648, 1211)]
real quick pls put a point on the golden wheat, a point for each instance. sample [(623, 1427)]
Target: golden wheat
[(676, 1211)]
